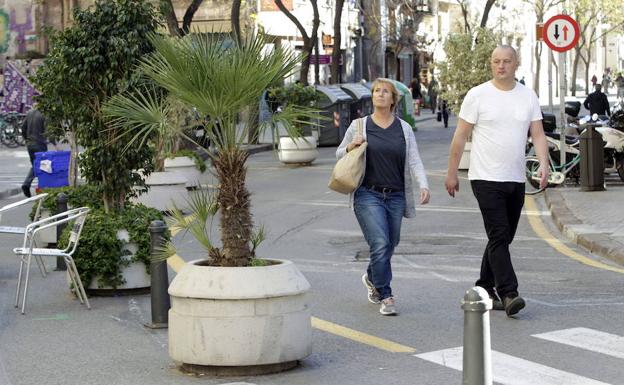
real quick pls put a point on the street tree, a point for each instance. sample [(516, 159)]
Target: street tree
[(540, 8), (467, 64), (90, 62), (167, 10), (470, 21), (310, 42), (590, 17), (335, 64)]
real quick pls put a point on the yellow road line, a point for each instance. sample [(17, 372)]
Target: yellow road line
[(175, 262), (540, 230), (357, 336)]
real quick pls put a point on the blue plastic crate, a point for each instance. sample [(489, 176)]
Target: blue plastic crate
[(60, 168)]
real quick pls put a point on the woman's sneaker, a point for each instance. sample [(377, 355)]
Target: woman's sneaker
[(388, 306), (373, 295)]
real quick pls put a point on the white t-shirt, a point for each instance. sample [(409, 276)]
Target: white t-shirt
[(501, 123)]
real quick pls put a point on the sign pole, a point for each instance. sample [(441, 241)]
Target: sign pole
[(550, 82), (561, 33), (562, 92)]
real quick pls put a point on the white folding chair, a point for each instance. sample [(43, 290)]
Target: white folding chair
[(37, 200), (28, 250)]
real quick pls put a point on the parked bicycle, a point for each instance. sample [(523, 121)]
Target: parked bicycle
[(570, 169), (10, 129)]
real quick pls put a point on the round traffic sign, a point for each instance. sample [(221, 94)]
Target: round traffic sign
[(561, 33)]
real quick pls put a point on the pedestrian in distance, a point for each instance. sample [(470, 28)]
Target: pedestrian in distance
[(619, 83), (33, 129), (417, 96), (597, 102), (499, 114), (386, 193), (432, 90), (443, 111), (594, 80), (606, 81)]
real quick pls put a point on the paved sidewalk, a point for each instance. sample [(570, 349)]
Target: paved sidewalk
[(592, 220)]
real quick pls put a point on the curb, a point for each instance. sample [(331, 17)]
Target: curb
[(4, 194), (572, 228)]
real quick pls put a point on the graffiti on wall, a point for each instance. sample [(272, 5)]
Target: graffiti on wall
[(4, 31), (18, 92), (20, 29)]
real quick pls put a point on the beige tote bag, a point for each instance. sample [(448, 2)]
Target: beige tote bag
[(349, 169)]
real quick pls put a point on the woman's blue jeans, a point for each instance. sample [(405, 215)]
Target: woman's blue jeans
[(380, 215)]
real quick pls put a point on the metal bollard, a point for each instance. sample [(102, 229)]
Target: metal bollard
[(159, 279), (477, 369), (61, 207), (592, 162)]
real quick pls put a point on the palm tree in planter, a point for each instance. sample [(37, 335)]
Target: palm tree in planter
[(216, 319), (300, 149)]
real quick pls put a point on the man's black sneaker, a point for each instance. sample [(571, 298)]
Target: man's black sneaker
[(26, 191), (497, 304), (513, 305)]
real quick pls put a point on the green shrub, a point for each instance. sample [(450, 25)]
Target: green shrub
[(99, 253)]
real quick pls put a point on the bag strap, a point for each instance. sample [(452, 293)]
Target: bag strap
[(360, 128)]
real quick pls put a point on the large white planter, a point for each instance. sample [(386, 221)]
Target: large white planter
[(165, 190), (184, 166), (297, 150), (232, 317), (464, 162), (135, 275), (46, 236)]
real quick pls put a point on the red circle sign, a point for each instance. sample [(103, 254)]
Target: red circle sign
[(561, 33)]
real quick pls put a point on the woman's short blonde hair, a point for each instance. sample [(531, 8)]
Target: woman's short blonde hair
[(395, 92)]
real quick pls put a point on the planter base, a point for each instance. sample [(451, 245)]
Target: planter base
[(252, 370)]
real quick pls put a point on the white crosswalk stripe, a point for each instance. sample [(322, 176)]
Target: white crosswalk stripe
[(510, 370), (588, 339)]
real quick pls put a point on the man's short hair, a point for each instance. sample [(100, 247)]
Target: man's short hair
[(507, 46), (598, 87)]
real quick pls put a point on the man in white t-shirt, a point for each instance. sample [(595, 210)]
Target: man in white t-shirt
[(499, 114)]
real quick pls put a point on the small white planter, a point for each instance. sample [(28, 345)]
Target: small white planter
[(297, 150), (184, 166), (464, 162), (135, 275), (252, 317), (165, 190)]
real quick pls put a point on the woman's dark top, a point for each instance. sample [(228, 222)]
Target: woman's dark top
[(385, 156)]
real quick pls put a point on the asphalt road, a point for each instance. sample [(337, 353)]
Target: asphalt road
[(570, 332)]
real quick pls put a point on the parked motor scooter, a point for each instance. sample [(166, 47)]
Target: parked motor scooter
[(612, 131)]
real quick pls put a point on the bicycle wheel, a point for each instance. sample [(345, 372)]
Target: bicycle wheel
[(531, 186), (7, 136)]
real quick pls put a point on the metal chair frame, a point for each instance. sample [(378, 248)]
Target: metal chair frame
[(28, 250), (38, 200)]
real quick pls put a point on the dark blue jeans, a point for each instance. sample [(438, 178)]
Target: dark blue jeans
[(32, 149), (501, 205), (380, 216)]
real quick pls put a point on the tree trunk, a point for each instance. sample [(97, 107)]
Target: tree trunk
[(577, 56), (308, 42), (335, 65), (486, 12), (188, 15), (166, 8), (235, 16), (73, 156), (234, 206)]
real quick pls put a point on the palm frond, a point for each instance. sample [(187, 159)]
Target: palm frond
[(217, 78)]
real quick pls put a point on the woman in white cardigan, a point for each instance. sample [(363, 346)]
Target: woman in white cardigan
[(386, 192)]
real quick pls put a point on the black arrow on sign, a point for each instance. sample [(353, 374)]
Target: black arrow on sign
[(557, 31)]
